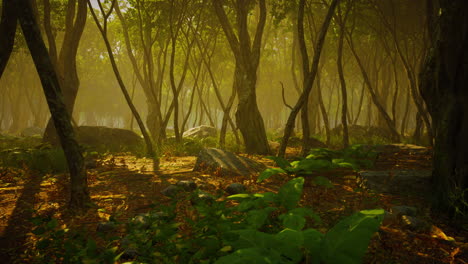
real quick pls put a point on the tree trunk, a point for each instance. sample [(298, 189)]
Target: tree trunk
[(7, 32), (247, 55), (103, 30), (311, 73), (443, 85), (79, 195)]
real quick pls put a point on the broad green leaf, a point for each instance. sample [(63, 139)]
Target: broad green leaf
[(323, 181), (307, 166), (257, 218), (293, 221), (290, 193), (268, 173), (252, 255), (312, 242), (348, 240), (281, 162), (291, 244)]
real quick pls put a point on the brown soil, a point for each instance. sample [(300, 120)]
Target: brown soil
[(124, 186)]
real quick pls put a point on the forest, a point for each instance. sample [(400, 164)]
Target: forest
[(234, 131)]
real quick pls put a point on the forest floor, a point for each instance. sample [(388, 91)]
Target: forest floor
[(124, 186)]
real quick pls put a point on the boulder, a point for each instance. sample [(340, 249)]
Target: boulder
[(202, 197), (226, 163), (105, 227), (397, 181), (236, 188), (32, 131), (187, 185), (201, 132), (113, 139), (171, 191)]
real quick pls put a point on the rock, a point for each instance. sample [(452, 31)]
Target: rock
[(236, 188), (32, 131), (113, 139), (130, 253), (105, 227), (404, 210), (202, 197), (226, 163), (415, 224), (187, 185), (397, 181), (389, 219), (171, 191), (146, 219), (201, 132)]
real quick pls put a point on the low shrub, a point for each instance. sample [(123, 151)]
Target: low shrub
[(245, 228)]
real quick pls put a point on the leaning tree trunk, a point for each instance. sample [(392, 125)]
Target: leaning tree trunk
[(443, 86), (79, 195), (309, 74), (7, 33)]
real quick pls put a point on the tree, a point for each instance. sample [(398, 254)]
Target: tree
[(247, 55), (65, 61), (79, 194), (443, 85), (310, 72), (103, 29)]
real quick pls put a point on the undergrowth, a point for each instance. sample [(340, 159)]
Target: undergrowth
[(244, 228)]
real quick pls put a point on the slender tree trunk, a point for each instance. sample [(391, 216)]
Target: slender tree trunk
[(311, 73), (79, 195), (103, 30)]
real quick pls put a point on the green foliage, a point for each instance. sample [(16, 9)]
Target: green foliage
[(259, 228), (43, 159), (56, 244), (322, 159)]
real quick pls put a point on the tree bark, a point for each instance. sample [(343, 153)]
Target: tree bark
[(79, 195), (247, 55), (443, 85), (309, 78), (8, 24)]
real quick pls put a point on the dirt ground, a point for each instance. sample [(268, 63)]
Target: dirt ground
[(124, 186)]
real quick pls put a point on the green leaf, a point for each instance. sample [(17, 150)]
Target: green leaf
[(312, 242), (323, 181), (307, 166), (52, 223), (257, 218), (39, 231), (293, 221), (281, 162), (249, 255), (291, 244), (290, 193), (348, 240), (268, 173)]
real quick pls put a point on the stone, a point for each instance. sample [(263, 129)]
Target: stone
[(397, 181), (171, 191), (32, 131), (105, 227), (146, 219), (236, 188), (415, 224), (201, 132), (130, 253), (202, 197), (404, 210), (226, 163), (113, 139), (187, 185)]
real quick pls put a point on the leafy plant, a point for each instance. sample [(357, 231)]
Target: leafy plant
[(57, 244), (321, 159), (43, 159), (246, 228)]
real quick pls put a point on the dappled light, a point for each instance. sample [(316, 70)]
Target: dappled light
[(243, 131)]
